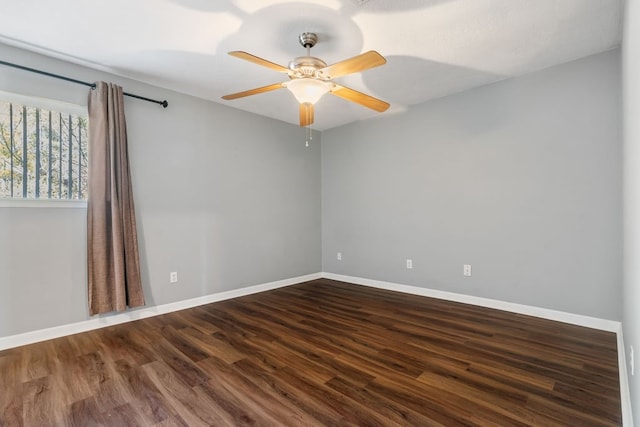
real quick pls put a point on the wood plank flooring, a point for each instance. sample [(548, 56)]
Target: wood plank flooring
[(318, 353)]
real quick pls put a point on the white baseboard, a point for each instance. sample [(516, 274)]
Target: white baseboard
[(625, 396), (544, 313), (128, 316)]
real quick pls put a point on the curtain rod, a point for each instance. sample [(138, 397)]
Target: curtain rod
[(164, 103)]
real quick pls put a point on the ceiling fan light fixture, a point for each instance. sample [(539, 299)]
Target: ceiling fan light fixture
[(308, 90)]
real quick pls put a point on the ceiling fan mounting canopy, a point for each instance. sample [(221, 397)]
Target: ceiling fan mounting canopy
[(308, 39), (311, 78)]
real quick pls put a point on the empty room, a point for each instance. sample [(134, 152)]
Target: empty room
[(320, 213)]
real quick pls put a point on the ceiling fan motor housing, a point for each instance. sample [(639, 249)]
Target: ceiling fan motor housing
[(306, 66)]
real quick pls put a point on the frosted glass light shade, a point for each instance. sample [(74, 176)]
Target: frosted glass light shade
[(308, 89)]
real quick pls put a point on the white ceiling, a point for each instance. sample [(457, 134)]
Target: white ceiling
[(433, 47)]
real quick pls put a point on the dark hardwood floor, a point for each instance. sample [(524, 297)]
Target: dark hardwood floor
[(318, 353)]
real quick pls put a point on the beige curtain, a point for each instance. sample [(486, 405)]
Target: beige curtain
[(113, 262)]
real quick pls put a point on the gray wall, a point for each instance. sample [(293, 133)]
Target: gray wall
[(631, 84), (521, 179), (225, 198)]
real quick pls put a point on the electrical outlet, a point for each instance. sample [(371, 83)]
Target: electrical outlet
[(173, 277), (339, 256), (409, 264), (631, 361), (466, 270)]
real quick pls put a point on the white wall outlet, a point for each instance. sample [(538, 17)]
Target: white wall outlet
[(466, 270), (339, 256), (631, 361), (173, 277), (409, 264)]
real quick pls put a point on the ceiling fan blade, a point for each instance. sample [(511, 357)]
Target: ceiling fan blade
[(360, 98), (254, 91), (353, 65), (256, 60), (306, 114)]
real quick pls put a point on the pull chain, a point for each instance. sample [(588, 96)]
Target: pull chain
[(309, 135)]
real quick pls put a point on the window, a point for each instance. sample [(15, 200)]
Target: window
[(43, 149)]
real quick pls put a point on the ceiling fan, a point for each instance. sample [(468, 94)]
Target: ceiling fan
[(310, 78)]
